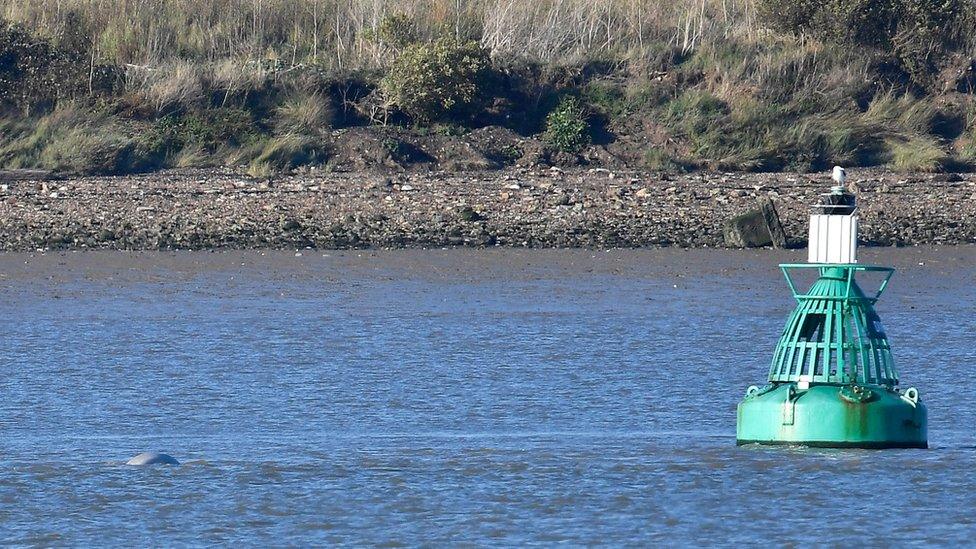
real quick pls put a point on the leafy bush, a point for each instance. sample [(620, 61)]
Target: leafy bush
[(208, 130), (439, 80), (567, 128), (925, 29), (866, 22), (608, 98), (396, 30), (791, 16)]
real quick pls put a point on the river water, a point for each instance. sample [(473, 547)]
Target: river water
[(453, 397)]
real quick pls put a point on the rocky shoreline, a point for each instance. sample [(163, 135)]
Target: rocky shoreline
[(521, 207)]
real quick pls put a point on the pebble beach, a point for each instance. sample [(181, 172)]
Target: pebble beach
[(518, 207)]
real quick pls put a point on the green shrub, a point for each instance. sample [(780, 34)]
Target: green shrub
[(209, 130), (791, 16), (608, 98), (437, 81), (567, 128), (396, 30), (924, 30)]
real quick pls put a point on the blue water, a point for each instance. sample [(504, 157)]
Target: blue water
[(453, 398)]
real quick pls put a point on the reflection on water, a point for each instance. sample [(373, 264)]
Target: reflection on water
[(503, 397)]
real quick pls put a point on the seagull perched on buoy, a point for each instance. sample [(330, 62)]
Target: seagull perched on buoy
[(840, 177)]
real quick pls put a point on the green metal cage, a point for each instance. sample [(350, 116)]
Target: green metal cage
[(834, 335)]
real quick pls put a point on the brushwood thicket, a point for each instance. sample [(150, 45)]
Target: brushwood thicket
[(92, 86)]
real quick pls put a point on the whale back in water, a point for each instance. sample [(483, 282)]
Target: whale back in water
[(153, 458)]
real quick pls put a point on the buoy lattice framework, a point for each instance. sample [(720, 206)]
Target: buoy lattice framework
[(834, 334)]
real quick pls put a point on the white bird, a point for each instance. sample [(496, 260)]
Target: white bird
[(840, 175)]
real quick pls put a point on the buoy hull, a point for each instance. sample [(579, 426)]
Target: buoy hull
[(833, 416)]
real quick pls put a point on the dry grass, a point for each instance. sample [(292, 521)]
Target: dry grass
[(174, 83), (304, 114), (337, 33)]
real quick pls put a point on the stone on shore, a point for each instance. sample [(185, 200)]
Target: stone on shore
[(755, 228), (469, 214)]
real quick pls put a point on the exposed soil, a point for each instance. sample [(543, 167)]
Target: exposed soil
[(521, 207)]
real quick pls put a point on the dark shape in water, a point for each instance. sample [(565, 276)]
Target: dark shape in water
[(153, 458)]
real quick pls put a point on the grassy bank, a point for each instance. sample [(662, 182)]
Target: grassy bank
[(91, 86)]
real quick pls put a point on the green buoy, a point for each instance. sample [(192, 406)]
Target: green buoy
[(832, 382)]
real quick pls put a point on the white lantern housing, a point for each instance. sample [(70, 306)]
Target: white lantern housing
[(833, 229)]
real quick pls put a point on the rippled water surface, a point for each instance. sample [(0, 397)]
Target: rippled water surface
[(453, 397)]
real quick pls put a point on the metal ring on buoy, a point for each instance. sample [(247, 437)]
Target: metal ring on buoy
[(752, 391), (911, 394)]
